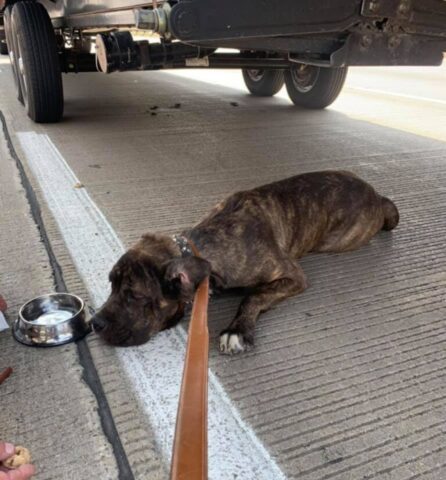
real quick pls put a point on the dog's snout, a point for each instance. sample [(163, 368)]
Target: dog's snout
[(98, 323)]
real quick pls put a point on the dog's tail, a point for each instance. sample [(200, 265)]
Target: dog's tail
[(391, 214)]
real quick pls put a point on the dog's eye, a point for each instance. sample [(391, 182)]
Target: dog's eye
[(134, 296), (148, 304)]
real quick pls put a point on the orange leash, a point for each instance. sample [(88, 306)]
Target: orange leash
[(189, 458)]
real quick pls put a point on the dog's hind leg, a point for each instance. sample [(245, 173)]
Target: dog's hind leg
[(240, 334), (391, 214)]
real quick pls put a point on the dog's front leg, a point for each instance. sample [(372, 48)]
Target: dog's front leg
[(240, 334)]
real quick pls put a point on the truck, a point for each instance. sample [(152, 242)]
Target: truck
[(305, 45)]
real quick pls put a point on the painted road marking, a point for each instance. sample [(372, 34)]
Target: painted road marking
[(154, 369), (394, 94), (3, 324)]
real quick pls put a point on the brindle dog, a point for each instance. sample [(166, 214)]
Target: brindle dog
[(253, 239)]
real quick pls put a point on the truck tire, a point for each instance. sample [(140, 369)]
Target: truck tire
[(314, 87), (3, 48), (11, 50), (263, 83), (37, 62)]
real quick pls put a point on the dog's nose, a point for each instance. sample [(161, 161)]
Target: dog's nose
[(98, 323)]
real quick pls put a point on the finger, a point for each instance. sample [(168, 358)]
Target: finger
[(27, 471), (15, 475), (3, 475), (6, 450)]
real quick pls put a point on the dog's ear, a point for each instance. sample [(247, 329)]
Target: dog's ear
[(182, 276)]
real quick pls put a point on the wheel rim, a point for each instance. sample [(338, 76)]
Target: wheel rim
[(304, 77), (12, 41), (255, 75), (14, 68), (21, 72), (11, 54)]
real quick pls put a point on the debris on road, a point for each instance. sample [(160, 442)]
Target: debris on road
[(5, 374)]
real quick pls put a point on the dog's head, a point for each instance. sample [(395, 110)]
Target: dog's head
[(149, 287)]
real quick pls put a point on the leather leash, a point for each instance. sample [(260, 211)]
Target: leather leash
[(189, 456)]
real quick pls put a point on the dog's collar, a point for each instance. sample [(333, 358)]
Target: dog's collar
[(187, 248)]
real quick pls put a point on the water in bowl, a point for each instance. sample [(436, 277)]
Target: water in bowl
[(53, 318)]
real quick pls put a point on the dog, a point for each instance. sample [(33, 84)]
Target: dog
[(252, 240)]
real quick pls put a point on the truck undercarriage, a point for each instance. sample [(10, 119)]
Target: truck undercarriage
[(307, 47)]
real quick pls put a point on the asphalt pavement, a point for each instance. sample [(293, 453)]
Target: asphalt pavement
[(346, 380)]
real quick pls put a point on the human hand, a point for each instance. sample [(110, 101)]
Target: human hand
[(24, 472)]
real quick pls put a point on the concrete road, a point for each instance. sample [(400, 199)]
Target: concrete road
[(346, 380)]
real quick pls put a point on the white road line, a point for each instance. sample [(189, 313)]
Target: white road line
[(3, 323), (394, 94), (154, 369)]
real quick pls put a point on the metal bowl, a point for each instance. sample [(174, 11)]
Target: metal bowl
[(51, 320)]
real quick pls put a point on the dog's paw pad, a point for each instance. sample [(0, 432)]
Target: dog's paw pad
[(231, 343)]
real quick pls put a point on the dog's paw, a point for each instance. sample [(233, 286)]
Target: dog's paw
[(233, 342)]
